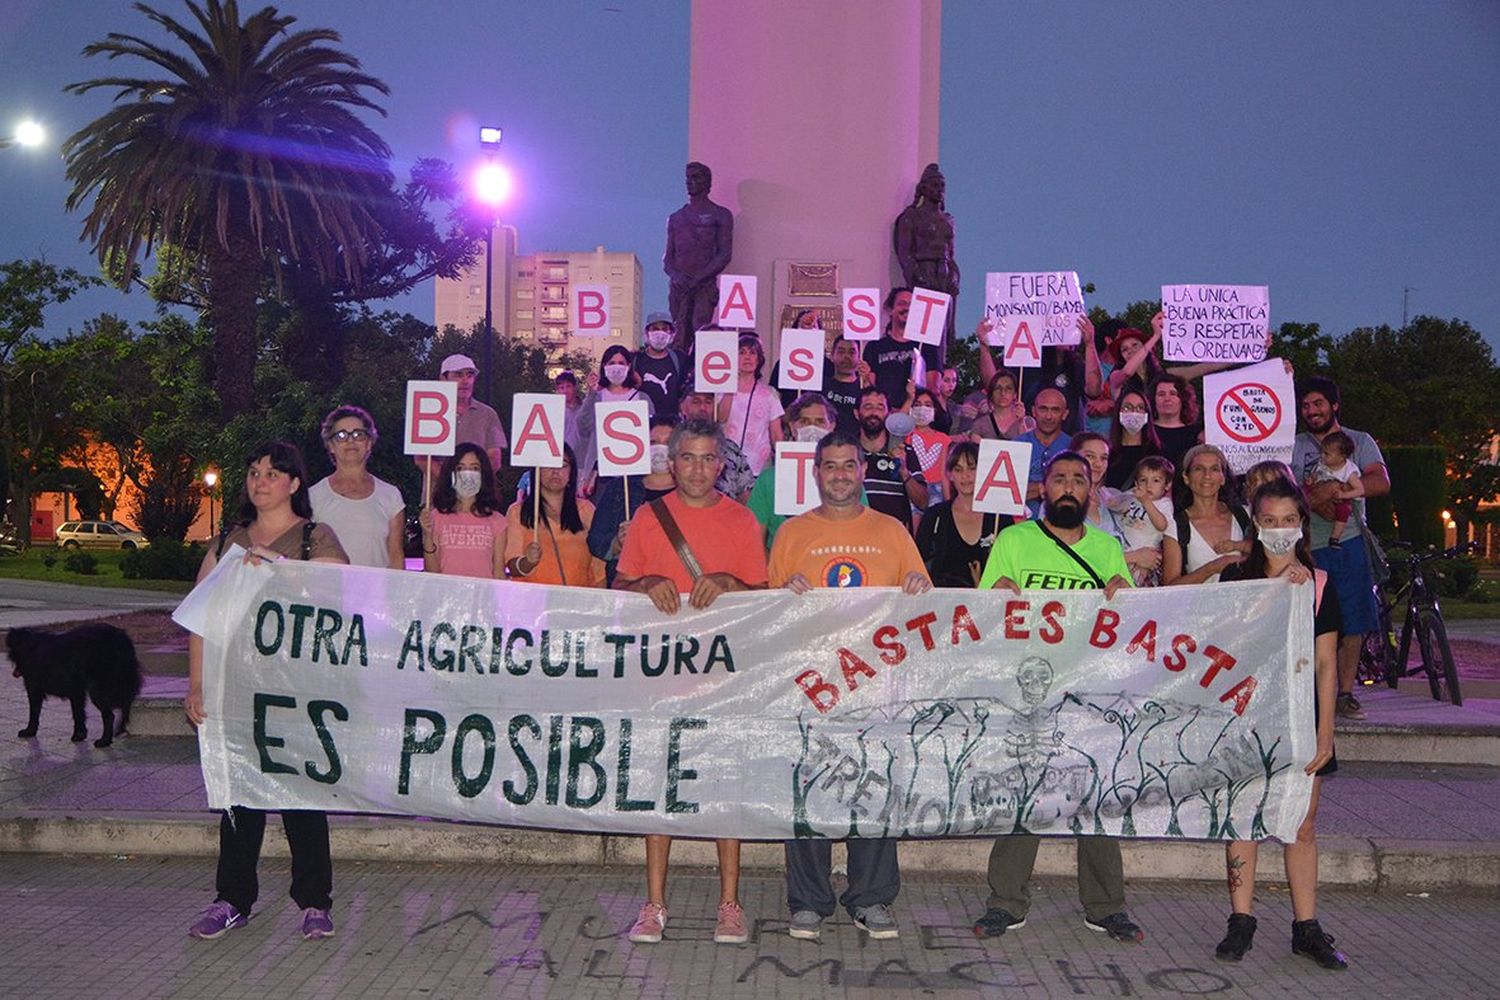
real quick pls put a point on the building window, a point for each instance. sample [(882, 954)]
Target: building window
[(523, 334), (556, 274), (525, 314), (615, 332), (555, 293), (525, 293)]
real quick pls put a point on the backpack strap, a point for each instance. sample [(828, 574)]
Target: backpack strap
[(1242, 518), (223, 537), (307, 532), (1184, 530)]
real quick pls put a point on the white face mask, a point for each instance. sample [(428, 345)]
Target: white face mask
[(811, 433), (1133, 421), (616, 373), (922, 415), (466, 483), (659, 460), (1279, 541), (658, 340)]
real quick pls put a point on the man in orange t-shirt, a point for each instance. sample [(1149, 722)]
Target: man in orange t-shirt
[(725, 541), (842, 543)]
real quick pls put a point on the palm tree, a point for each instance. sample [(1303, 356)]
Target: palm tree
[(247, 152)]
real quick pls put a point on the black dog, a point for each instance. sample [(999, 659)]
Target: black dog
[(96, 661)]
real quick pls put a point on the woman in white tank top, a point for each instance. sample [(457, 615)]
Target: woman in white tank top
[(1213, 527)]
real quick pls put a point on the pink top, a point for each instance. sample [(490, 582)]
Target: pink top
[(466, 542)]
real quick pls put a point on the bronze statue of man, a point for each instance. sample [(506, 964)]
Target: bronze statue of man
[(923, 237), (700, 239)]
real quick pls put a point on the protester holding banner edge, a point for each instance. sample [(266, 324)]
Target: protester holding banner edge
[(463, 531), (555, 552)]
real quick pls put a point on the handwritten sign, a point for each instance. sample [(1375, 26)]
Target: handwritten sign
[(801, 365), (590, 308), (1249, 414), (623, 430), (1216, 322), (928, 317), (1050, 302), (431, 417), (537, 418)]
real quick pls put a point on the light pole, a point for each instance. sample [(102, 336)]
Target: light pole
[(492, 186), (210, 479), (28, 133)]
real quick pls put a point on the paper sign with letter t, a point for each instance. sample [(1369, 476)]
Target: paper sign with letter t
[(796, 487), (431, 417), (537, 420), (1000, 480), (736, 302), (928, 317)]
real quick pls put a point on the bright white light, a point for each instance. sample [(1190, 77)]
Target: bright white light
[(489, 135), (492, 184), (210, 478), (30, 133)]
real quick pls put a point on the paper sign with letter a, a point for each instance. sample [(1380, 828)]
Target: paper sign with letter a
[(589, 306), (861, 314), (801, 360), (1022, 336), (1000, 480), (623, 431), (431, 417), (928, 317), (796, 487), (537, 419), (718, 355), (736, 302)]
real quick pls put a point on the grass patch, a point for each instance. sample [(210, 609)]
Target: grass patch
[(33, 565), (1467, 611)]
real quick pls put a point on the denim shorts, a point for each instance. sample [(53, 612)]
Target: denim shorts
[(1349, 568)]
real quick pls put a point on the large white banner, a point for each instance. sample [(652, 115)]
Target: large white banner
[(1161, 713)]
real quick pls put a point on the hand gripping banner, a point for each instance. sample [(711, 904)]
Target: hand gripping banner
[(1175, 712)]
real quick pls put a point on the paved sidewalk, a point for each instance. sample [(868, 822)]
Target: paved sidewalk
[(79, 927)]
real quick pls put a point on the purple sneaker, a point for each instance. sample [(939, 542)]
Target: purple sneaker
[(316, 924), (218, 919)]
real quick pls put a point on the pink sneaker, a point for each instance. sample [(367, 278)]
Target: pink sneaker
[(649, 925), (730, 928)]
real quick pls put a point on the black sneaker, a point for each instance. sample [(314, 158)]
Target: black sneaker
[(996, 922), (1238, 940), (1118, 926), (1308, 939), (1346, 706)]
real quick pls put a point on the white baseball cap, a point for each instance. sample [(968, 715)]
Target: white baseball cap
[(457, 363)]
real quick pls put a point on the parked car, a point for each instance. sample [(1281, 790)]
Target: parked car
[(10, 539), (99, 535)]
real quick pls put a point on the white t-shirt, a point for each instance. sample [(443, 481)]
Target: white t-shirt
[(749, 423), (362, 525), (1323, 474), (1140, 533)]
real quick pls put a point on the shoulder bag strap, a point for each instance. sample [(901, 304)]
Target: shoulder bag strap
[(307, 530), (674, 535), (745, 426), (1072, 555)]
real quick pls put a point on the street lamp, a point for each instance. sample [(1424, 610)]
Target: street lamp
[(28, 133), (210, 479), (492, 185)]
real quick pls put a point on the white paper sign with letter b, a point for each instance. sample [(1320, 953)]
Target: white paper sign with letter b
[(861, 314), (796, 486), (537, 419), (623, 431), (928, 316), (1216, 322), (431, 417), (589, 305), (801, 360), (736, 302), (1002, 477), (718, 355)]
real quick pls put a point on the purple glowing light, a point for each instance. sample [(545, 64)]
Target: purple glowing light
[(492, 184)]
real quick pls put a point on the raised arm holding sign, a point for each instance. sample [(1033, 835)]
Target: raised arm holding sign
[(1216, 323)]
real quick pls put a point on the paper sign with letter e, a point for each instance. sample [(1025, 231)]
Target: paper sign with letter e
[(1051, 300), (431, 417), (623, 431), (1021, 338), (718, 355), (537, 419), (589, 306), (861, 314), (796, 486), (1216, 322), (1248, 414), (928, 317), (801, 360), (736, 302), (1002, 476)]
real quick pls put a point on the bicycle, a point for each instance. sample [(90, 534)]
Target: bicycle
[(1384, 656)]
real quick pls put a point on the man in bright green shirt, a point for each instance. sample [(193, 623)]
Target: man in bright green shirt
[(810, 417), (1062, 551)]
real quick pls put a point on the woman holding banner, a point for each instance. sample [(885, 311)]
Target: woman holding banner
[(274, 522), (462, 532), (1279, 548), (953, 538), (557, 550)]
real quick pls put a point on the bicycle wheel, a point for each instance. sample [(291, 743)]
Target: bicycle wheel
[(1430, 663), (1450, 669)]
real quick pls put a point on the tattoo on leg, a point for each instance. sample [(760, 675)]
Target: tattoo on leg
[(1235, 880)]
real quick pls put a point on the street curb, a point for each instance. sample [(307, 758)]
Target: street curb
[(1377, 864)]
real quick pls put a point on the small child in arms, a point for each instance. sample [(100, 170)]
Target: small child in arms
[(1336, 465), (1145, 510)]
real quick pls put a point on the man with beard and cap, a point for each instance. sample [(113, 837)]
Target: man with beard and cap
[(1061, 551)]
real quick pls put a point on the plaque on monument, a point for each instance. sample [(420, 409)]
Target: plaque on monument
[(803, 278)]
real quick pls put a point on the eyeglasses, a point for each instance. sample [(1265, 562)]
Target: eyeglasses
[(358, 434)]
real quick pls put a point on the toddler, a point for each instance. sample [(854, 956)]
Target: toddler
[(1145, 510), (1336, 465)]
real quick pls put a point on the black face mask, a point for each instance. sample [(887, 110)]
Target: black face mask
[(1067, 512)]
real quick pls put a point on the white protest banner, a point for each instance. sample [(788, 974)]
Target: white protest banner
[(1001, 477), (801, 364), (796, 486), (431, 417), (623, 431), (1165, 712), (861, 314), (736, 302), (1051, 300), (590, 310), (1250, 414), (537, 419), (1216, 322), (717, 353), (927, 319)]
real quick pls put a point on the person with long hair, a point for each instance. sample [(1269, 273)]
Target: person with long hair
[(366, 513), (617, 381), (1131, 435), (273, 522), (1004, 419), (463, 532), (1211, 525), (953, 538), (1174, 416), (751, 416), (926, 446), (558, 551), (1280, 549)]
